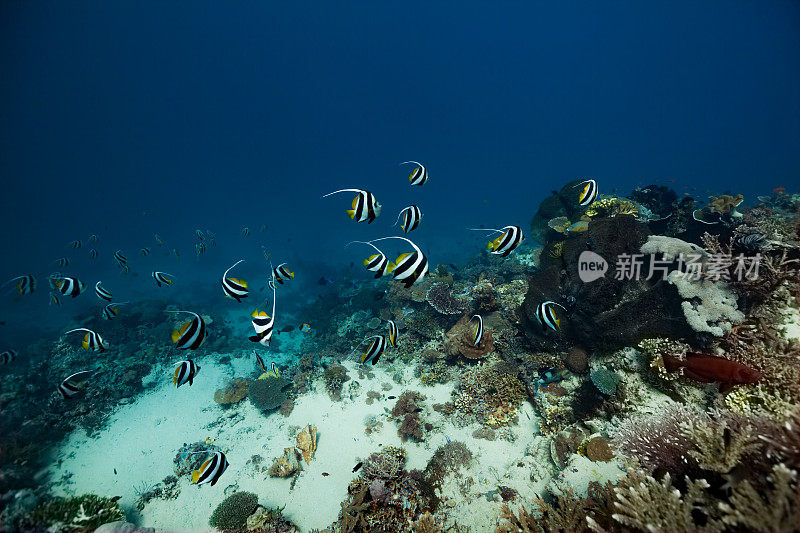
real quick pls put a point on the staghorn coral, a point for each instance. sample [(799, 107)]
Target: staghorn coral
[(776, 511), (441, 298), (73, 513), (718, 443), (446, 461), (651, 505), (231, 514)]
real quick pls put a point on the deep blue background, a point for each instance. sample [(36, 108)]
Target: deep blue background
[(132, 118)]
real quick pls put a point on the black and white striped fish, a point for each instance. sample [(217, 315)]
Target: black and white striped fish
[(92, 253), (211, 470), (192, 334), (161, 278), (260, 362), (185, 372), (158, 239), (145, 251), (70, 286), (374, 350), (74, 384), (264, 324), (477, 333), (102, 292), (510, 237), (409, 268), (110, 311), (419, 175), (411, 216), (53, 279), (281, 273), (75, 244), (364, 207), (26, 283), (120, 258), (92, 340), (546, 315), (93, 238), (245, 232), (54, 300), (377, 263), (233, 287), (588, 194), (7, 357), (62, 262), (394, 332)]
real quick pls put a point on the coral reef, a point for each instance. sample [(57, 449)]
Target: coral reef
[(440, 297), (335, 376), (74, 513), (268, 393), (231, 514), (460, 341), (488, 395), (407, 410)]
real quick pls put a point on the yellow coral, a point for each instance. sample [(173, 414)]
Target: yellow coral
[(612, 207)]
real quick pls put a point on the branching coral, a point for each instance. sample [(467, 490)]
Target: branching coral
[(777, 511)]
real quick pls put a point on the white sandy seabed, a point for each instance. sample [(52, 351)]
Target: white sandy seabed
[(142, 438)]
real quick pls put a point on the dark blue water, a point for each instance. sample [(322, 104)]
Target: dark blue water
[(127, 119)]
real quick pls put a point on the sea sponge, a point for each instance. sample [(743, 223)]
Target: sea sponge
[(233, 393), (268, 394), (307, 442), (598, 449), (232, 512)]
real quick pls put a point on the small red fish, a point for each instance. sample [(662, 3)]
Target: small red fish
[(325, 474), (712, 369), (778, 189)]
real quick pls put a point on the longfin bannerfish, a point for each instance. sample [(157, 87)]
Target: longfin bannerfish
[(509, 239), (185, 372), (102, 292), (7, 357), (120, 258), (589, 192), (110, 311), (411, 215), (54, 300), (477, 333), (211, 470), (374, 350), (263, 323), (419, 175), (158, 240), (273, 372), (62, 262), (377, 263), (124, 269), (233, 287), (74, 384), (161, 278), (26, 283), (145, 251), (260, 362), (546, 315), (93, 238), (281, 273), (393, 332), (75, 244), (192, 334), (245, 232), (70, 286), (364, 206), (409, 268), (91, 341), (200, 234), (92, 253)]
